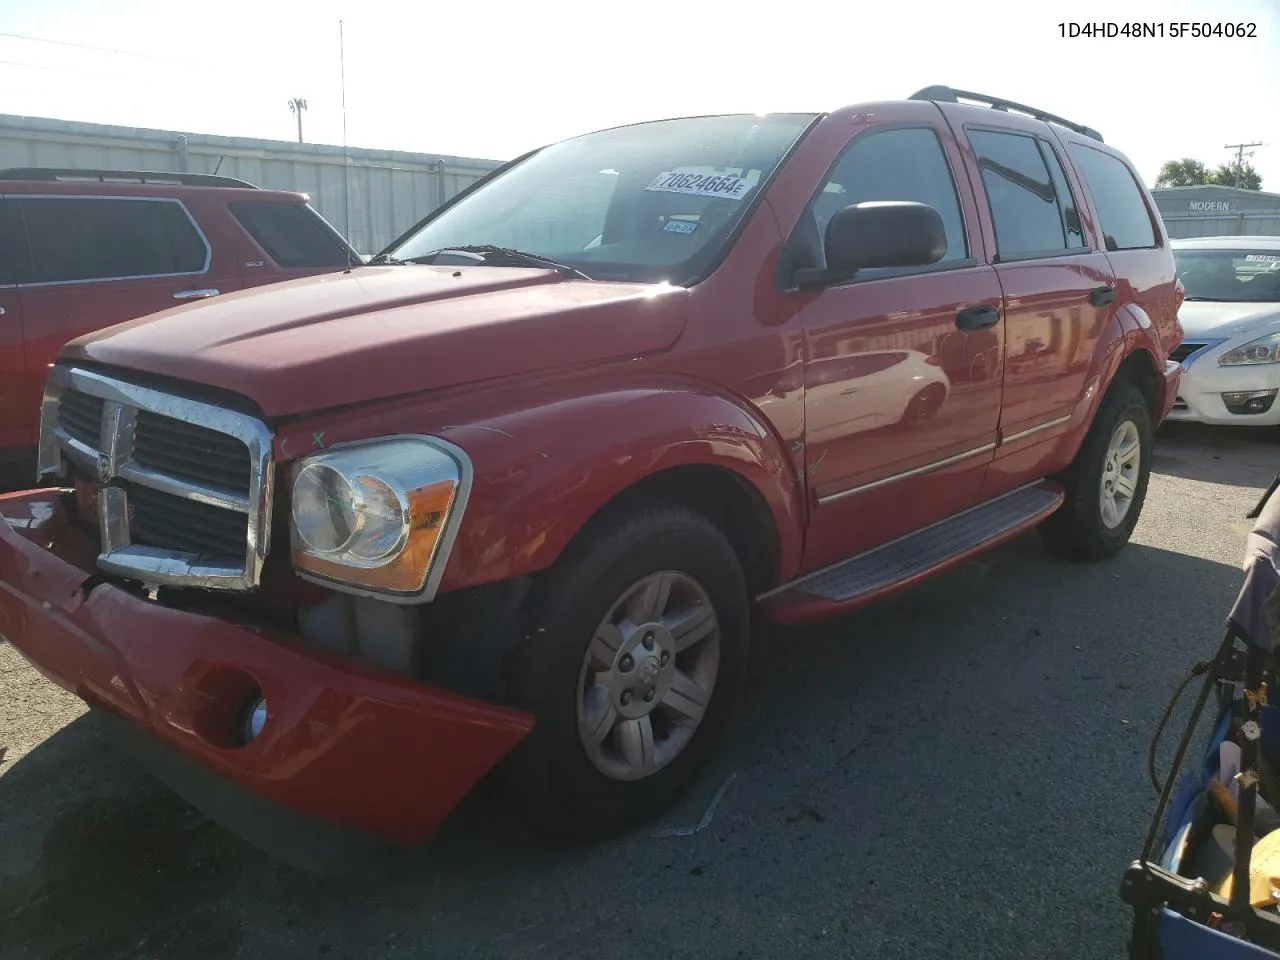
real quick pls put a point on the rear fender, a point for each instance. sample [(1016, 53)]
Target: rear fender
[(1129, 332), (546, 463), (1143, 343)]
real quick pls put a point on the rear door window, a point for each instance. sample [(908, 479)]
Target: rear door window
[(1027, 208), (292, 234), (1066, 202), (110, 238), (1126, 221)]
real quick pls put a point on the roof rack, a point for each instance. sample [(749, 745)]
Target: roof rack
[(122, 176), (945, 94)]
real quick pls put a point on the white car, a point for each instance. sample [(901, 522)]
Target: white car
[(1230, 352), (855, 392)]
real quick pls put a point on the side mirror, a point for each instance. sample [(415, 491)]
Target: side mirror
[(881, 233)]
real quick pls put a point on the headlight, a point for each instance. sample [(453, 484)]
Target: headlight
[(377, 515), (1262, 350)]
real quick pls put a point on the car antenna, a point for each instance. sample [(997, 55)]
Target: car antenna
[(346, 154)]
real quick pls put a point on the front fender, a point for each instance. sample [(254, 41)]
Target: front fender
[(545, 463)]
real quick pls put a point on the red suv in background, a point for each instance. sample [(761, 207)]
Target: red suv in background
[(85, 249)]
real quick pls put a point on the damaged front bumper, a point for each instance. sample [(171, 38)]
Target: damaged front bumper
[(348, 751)]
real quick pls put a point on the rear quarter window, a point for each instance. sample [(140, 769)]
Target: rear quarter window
[(291, 234), (110, 238), (1125, 218)]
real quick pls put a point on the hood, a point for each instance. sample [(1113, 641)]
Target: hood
[(1206, 320), (380, 332)]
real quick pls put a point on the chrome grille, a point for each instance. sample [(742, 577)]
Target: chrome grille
[(1184, 350), (80, 415), (162, 520), (191, 453), (186, 486)]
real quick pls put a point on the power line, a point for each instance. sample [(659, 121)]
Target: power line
[(203, 84), (52, 67), (184, 61), (134, 101), (89, 46)]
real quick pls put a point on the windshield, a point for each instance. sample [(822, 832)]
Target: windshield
[(1232, 276), (650, 202)]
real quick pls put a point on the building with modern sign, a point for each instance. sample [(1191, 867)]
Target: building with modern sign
[(1211, 211)]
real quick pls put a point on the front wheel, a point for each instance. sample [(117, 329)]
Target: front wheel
[(1106, 485), (634, 649)]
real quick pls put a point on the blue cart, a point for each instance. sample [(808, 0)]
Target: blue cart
[(1207, 885)]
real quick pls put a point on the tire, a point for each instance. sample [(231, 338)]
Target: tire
[(564, 786), (1080, 530)]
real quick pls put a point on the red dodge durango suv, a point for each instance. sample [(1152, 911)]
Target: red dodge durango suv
[(81, 250), (510, 496)]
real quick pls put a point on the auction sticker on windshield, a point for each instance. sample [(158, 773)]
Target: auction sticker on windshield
[(684, 227), (701, 184)]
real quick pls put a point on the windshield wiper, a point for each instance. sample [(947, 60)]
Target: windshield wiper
[(383, 258), (487, 250)]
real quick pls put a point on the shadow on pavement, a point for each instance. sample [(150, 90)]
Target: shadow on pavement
[(122, 867), (1230, 455), (972, 749)]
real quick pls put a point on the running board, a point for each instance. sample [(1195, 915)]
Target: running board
[(910, 559)]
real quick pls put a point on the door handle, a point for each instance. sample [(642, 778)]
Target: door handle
[(977, 318), (1, 311), (194, 294), (1101, 296)]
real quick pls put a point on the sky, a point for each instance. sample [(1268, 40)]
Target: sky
[(496, 78)]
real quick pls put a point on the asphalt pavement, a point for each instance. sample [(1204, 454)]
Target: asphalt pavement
[(956, 773)]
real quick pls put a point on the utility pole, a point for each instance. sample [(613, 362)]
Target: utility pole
[(1239, 148), (297, 105)]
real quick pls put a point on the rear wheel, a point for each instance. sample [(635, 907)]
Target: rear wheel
[(634, 651), (1106, 485)]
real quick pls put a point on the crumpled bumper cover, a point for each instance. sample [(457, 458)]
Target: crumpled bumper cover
[(344, 744)]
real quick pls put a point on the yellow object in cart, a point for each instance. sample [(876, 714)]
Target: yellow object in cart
[(1264, 873)]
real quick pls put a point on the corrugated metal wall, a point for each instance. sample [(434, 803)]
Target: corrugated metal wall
[(1235, 225), (1210, 210), (389, 190)]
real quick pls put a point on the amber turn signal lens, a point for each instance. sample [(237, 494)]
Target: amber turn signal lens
[(373, 516), (428, 510)]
